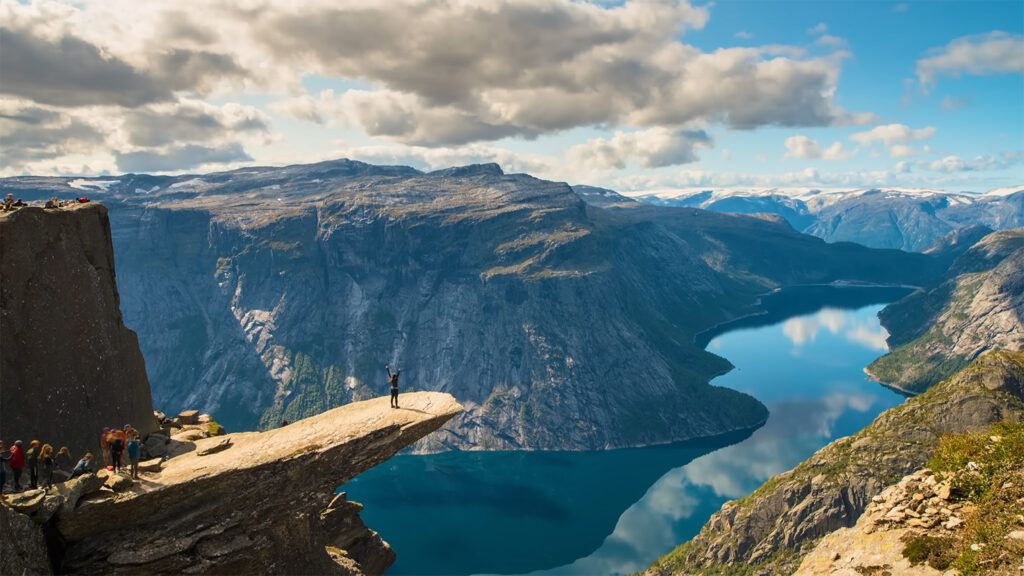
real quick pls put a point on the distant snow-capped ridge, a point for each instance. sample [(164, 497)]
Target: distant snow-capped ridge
[(804, 193), (1004, 191)]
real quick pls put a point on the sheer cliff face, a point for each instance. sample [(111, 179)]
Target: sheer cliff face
[(68, 365), (978, 307), (275, 293)]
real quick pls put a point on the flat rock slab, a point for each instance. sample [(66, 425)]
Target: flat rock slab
[(26, 502), (207, 448), (327, 449), (189, 417)]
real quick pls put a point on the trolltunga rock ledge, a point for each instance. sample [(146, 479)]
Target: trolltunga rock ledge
[(264, 504)]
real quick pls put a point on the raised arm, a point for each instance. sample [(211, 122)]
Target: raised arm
[(388, 368)]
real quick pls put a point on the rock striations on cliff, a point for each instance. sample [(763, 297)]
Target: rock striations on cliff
[(68, 364), (268, 293), (770, 531), (977, 306)]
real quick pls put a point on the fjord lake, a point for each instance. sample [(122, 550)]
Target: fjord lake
[(616, 511)]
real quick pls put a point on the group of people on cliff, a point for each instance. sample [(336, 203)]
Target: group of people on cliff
[(115, 443), (44, 467), (11, 204), (42, 464)]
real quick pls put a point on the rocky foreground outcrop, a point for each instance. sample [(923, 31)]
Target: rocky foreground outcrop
[(68, 364), (246, 503), (770, 531)]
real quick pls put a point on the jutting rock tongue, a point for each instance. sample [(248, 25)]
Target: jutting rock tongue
[(68, 364)]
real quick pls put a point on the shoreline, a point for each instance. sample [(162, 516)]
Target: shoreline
[(895, 388), (833, 284)]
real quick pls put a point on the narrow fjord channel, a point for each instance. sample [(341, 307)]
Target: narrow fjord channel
[(616, 511)]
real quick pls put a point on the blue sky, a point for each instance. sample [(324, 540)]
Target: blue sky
[(635, 95)]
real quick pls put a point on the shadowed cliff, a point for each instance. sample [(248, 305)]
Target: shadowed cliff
[(68, 364)]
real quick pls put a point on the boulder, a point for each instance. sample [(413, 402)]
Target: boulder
[(26, 502), (208, 448), (73, 490), (204, 419), (118, 483), (51, 504), (189, 435), (151, 465), (155, 445), (189, 417)]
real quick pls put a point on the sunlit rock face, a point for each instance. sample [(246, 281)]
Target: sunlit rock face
[(977, 306), (273, 293)]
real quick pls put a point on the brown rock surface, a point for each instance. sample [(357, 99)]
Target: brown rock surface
[(63, 340), (265, 504)]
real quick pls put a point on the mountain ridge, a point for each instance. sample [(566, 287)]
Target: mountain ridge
[(262, 294)]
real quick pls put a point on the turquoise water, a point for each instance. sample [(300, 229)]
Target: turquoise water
[(616, 511)]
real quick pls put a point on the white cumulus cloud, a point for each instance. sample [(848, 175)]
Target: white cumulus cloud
[(993, 53)]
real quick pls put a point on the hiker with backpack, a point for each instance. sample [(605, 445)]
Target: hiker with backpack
[(133, 455), (394, 385), (117, 446)]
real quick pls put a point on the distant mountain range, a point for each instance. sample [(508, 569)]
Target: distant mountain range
[(909, 219), (268, 293)]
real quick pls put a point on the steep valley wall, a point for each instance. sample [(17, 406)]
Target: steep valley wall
[(68, 364)]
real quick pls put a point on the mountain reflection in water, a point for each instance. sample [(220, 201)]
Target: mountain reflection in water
[(615, 512)]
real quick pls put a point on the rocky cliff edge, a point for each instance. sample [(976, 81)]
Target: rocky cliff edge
[(246, 503)]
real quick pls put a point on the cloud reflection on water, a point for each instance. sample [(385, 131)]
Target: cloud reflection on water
[(805, 329), (795, 429)]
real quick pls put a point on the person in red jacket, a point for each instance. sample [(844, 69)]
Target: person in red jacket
[(17, 464)]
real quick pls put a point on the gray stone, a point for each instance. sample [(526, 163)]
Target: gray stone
[(156, 446), (22, 545), (51, 504), (189, 417), (26, 502), (74, 489)]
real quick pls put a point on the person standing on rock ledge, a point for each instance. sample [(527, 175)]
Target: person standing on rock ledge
[(394, 385)]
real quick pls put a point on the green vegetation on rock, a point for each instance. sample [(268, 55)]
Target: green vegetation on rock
[(975, 307), (985, 468), (769, 531)]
